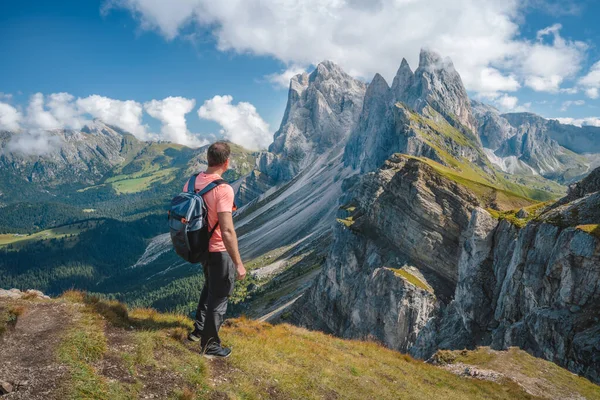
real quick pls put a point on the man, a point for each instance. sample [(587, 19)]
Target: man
[(224, 257)]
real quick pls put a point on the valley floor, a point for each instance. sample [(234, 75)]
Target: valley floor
[(79, 347)]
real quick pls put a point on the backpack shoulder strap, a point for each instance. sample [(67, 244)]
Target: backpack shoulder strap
[(192, 184), (211, 186)]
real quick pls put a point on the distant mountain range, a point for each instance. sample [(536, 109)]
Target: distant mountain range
[(407, 213), (525, 143)]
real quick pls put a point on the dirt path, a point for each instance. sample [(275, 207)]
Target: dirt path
[(27, 352)]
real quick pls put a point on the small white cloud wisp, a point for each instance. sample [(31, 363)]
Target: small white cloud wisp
[(240, 122)]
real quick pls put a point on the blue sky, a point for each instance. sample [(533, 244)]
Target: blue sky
[(538, 58)]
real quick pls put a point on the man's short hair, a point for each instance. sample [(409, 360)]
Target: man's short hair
[(218, 153)]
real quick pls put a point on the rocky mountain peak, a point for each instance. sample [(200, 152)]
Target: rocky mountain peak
[(327, 70), (439, 85), (432, 61), (493, 129), (402, 80), (322, 109), (299, 82), (378, 85)]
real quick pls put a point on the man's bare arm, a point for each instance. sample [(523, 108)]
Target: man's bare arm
[(231, 242)]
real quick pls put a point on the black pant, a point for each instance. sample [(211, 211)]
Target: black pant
[(219, 279)]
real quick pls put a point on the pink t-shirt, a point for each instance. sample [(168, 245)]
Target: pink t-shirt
[(220, 199)]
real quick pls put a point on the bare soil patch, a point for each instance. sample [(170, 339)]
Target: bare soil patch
[(27, 351)]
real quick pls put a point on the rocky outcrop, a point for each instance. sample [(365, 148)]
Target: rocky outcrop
[(357, 296), (587, 185), (532, 145), (437, 84), (416, 264), (17, 294), (322, 109), (394, 255), (537, 288), (580, 139)]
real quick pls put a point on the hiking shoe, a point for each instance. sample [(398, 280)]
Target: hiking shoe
[(195, 336), (215, 350)]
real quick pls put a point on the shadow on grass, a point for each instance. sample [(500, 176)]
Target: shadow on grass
[(120, 316)]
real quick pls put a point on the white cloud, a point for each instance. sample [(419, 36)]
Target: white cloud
[(591, 81), (571, 90), (369, 36), (589, 121), (6, 96), (282, 79), (569, 103), (547, 65), (171, 112), (167, 16), (495, 81), (32, 143), (38, 118), (507, 102), (126, 115), (592, 93), (63, 108), (10, 118), (241, 123)]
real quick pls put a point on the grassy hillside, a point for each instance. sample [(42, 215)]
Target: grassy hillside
[(445, 139), (94, 349), (489, 196)]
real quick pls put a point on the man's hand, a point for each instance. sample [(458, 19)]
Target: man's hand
[(241, 272)]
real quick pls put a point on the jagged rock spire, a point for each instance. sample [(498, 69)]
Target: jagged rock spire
[(403, 79)]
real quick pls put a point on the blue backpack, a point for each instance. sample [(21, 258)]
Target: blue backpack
[(188, 222)]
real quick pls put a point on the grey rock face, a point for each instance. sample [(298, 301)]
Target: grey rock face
[(375, 134), (589, 184), (493, 283), (322, 109), (436, 83), (536, 288), (17, 294), (404, 215), (356, 297), (401, 119), (403, 80), (493, 129), (582, 140)]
